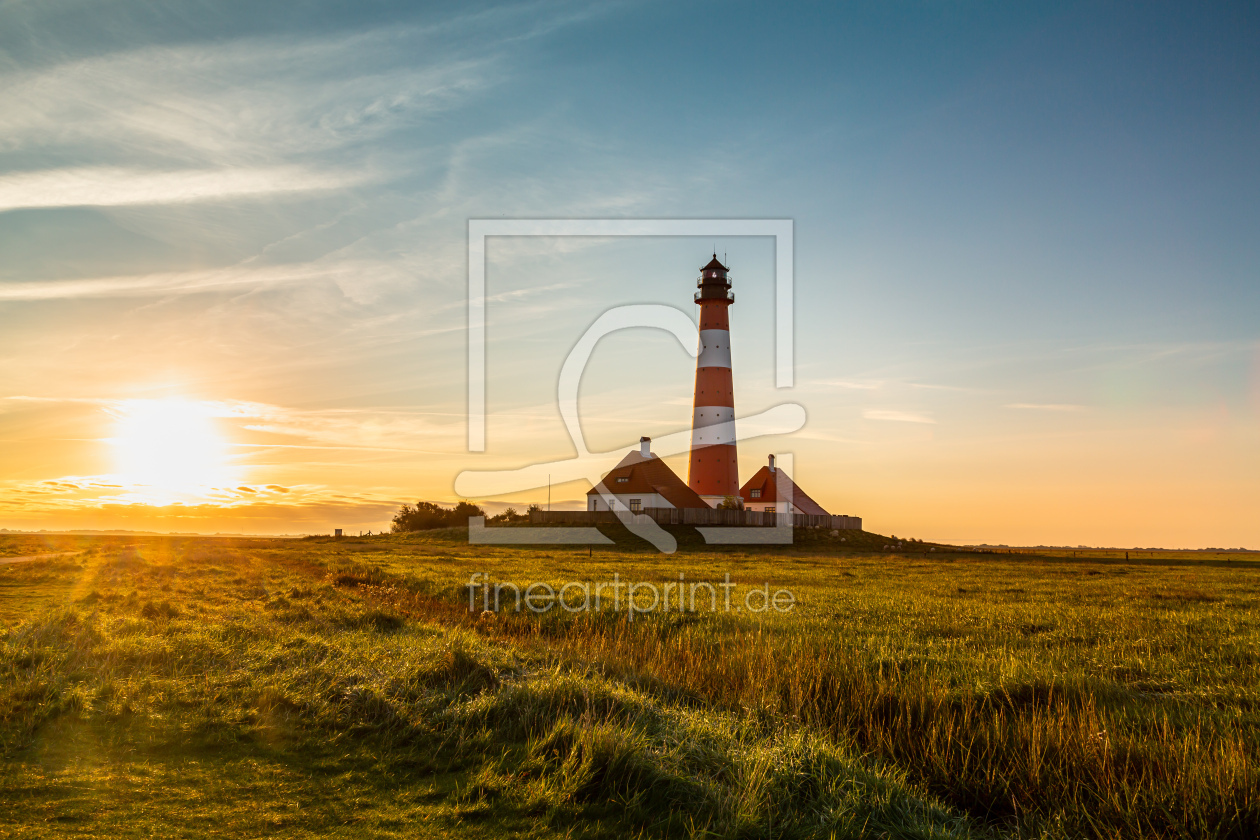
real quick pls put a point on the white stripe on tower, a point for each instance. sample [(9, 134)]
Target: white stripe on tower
[(715, 348), (711, 424)]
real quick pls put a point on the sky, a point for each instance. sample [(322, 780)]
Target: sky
[(234, 256)]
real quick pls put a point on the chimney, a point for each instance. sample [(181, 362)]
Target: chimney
[(771, 463), (645, 447)]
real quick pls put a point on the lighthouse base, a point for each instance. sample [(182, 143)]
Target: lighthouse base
[(714, 501)]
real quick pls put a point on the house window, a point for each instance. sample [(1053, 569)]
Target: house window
[(636, 505), (594, 504), (756, 494), (769, 508)]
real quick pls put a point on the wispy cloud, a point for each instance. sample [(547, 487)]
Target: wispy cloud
[(897, 416), (113, 186), (854, 384), (829, 437), (237, 102), (348, 428), (1046, 406), (926, 386), (239, 512), (888, 384), (344, 273), (519, 294), (378, 429)]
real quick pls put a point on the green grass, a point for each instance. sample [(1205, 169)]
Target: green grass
[(184, 687), (24, 545)]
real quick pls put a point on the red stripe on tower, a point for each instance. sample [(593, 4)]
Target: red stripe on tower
[(714, 472)]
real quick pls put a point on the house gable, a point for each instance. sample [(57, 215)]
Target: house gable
[(640, 476), (764, 482)]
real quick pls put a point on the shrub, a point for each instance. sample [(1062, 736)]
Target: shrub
[(426, 516), (509, 516)]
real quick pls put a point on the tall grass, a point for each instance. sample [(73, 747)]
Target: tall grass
[(1071, 751), (1084, 699), (905, 696), (226, 662)]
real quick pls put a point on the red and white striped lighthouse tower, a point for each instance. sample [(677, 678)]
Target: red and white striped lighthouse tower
[(713, 472)]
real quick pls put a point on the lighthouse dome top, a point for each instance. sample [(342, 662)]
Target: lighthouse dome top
[(714, 265)]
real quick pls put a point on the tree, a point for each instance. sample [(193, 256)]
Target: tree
[(422, 517), (731, 503), (463, 510), (425, 516)]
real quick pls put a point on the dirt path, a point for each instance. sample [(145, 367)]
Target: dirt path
[(27, 558)]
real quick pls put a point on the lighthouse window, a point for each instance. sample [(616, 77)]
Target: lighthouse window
[(622, 479), (756, 494)]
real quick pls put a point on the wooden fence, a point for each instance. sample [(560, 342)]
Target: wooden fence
[(696, 516)]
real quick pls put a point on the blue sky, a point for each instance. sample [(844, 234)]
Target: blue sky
[(1028, 277)]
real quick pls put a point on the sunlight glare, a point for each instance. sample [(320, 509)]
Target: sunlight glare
[(169, 446)]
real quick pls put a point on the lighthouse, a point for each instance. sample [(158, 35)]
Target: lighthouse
[(713, 472)]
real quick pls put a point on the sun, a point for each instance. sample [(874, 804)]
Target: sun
[(169, 445)]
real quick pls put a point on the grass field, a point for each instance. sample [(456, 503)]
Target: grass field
[(192, 687)]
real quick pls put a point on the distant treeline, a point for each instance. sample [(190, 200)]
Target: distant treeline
[(425, 516)]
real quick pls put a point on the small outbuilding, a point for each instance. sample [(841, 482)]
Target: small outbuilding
[(643, 480), (761, 492)]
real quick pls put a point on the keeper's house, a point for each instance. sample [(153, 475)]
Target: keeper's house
[(641, 481), (762, 493)]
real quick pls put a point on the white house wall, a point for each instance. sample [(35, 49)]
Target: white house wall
[(648, 500)]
